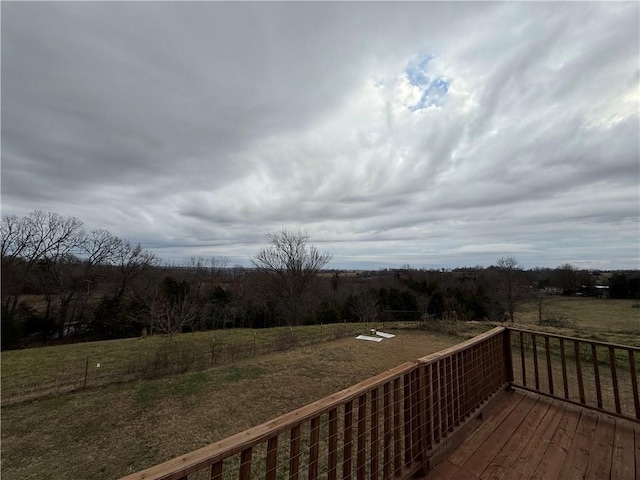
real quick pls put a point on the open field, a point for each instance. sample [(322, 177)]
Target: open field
[(115, 430), (34, 373), (109, 431), (607, 320)]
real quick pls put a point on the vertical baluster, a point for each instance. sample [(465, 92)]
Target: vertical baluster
[(549, 369), (508, 356), (449, 390), (456, 391), (314, 440), (332, 472), (443, 399), (522, 361), (294, 453), (375, 445), (397, 427), (245, 464), (435, 386), (216, 470), (348, 440), (362, 438), (535, 361), (634, 384), (388, 435), (407, 417), (576, 348), (565, 382), (272, 458), (416, 414), (596, 374), (614, 378), (428, 407)]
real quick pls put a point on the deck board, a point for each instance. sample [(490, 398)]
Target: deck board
[(552, 462), (600, 465), (622, 462), (482, 457), (528, 436), (538, 445), (503, 462), (577, 460), (499, 410)]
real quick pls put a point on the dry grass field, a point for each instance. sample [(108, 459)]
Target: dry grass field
[(33, 373), (607, 320), (110, 431)]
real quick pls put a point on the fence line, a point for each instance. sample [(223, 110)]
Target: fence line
[(168, 359)]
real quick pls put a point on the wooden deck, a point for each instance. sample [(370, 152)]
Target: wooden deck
[(529, 436)]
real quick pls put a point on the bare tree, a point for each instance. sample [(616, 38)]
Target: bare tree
[(509, 270), (366, 307), (217, 265), (291, 267), (171, 317), (131, 261), (37, 237)]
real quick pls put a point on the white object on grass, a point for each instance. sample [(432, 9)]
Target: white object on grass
[(366, 337), (98, 365), (385, 335)]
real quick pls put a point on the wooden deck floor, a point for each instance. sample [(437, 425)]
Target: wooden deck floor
[(527, 436)]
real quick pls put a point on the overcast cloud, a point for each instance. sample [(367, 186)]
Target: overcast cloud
[(429, 134)]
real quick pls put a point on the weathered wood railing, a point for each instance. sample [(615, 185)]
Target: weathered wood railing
[(390, 425), (596, 375)]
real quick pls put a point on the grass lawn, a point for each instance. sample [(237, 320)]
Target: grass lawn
[(607, 320), (112, 431), (28, 373)]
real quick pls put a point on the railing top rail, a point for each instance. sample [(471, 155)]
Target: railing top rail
[(575, 339), (183, 465), (460, 346)]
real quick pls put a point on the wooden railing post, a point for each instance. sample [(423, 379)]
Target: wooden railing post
[(596, 375), (549, 367), (536, 375), (576, 349), (522, 360), (634, 384), (508, 360), (614, 378)]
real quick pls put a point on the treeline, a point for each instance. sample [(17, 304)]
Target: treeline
[(62, 283)]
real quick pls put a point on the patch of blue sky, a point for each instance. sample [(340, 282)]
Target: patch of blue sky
[(416, 70), (433, 94)]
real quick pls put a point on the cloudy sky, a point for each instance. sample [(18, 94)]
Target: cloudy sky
[(428, 134)]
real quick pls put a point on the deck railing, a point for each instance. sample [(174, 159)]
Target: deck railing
[(390, 425), (404, 420), (597, 375)]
